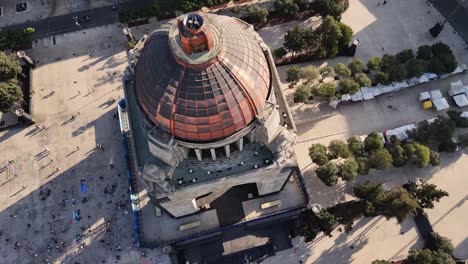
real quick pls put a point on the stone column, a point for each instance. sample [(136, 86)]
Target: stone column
[(250, 136), (227, 149), (213, 154), (240, 144), (198, 152)]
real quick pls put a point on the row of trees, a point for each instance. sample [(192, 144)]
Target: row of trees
[(323, 42), (373, 200), (438, 133), (10, 92), (357, 157), (385, 70), (290, 9)]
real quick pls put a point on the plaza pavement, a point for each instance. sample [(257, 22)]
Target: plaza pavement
[(397, 26), (85, 70)]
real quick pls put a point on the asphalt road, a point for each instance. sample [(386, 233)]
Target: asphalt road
[(65, 23), (459, 19)]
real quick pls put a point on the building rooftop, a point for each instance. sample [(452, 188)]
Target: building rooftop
[(234, 207), (203, 102)]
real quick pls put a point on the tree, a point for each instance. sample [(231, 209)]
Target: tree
[(381, 78), (398, 155), (9, 67), (255, 14), (356, 146), (362, 80), (308, 233), (292, 75), (286, 8), (443, 60), (10, 93), (374, 63), (318, 154), (327, 71), (436, 242), (349, 86), (422, 155), (414, 68), (363, 165), (405, 55), (436, 66), (395, 71), (426, 194), (434, 158), (426, 256), (447, 146), (331, 7), (338, 148), (309, 72), (369, 191), (440, 130), (356, 66), (397, 203), (373, 141), (294, 40), (302, 94), (279, 53), (14, 39), (424, 52), (324, 90), (334, 36), (348, 170), (326, 222), (328, 173), (342, 70), (380, 159)]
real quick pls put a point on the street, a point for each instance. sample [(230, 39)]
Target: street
[(65, 23)]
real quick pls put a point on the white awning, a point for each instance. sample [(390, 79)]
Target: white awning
[(440, 104), (424, 96), (461, 100), (435, 94)]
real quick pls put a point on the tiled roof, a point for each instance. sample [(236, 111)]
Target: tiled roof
[(207, 102)]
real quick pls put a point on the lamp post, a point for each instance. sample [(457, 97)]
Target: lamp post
[(22, 55), (439, 26)]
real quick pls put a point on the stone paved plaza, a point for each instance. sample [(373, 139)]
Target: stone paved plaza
[(76, 86)]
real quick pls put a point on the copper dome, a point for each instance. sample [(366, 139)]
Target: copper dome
[(206, 96)]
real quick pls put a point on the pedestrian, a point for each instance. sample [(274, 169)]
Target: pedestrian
[(384, 2), (77, 148), (79, 92), (378, 4)]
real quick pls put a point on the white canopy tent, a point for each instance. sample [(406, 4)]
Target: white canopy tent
[(435, 94), (461, 100), (424, 96), (400, 132), (440, 104)]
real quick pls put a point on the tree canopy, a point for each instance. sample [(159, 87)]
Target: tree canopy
[(302, 94), (338, 148), (356, 66), (348, 170), (318, 154), (10, 91), (349, 86), (342, 70), (328, 173)]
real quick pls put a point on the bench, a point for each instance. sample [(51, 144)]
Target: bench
[(270, 204), (189, 225)]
